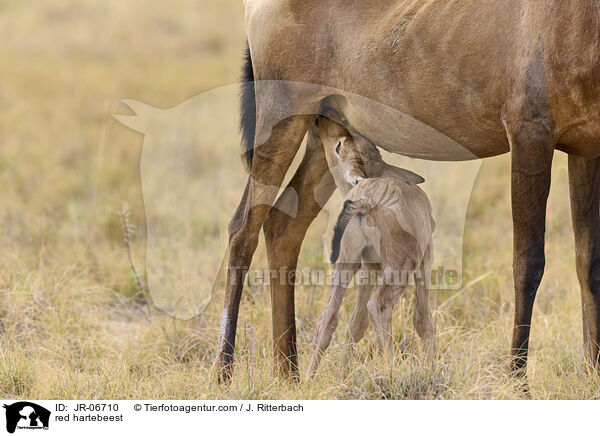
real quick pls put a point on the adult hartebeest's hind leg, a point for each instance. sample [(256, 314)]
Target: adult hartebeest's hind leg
[(532, 144), (270, 164), (584, 182), (312, 186)]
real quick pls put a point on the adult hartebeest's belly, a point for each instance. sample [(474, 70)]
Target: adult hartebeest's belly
[(422, 78), (400, 132), (425, 78)]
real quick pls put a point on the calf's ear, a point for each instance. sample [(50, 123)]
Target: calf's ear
[(402, 175)]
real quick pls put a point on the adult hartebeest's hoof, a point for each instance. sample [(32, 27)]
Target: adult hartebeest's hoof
[(518, 369), (287, 371), (518, 364), (222, 368)]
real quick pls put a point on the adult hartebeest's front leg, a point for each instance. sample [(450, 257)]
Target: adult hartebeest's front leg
[(584, 182), (532, 144), (270, 164), (312, 186)]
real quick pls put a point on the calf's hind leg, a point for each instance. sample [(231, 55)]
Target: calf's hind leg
[(359, 321), (381, 307)]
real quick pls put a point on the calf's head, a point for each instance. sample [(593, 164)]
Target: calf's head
[(341, 150), (356, 157)]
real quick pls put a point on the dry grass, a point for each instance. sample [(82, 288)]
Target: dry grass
[(70, 326)]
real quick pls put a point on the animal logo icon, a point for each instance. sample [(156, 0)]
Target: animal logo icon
[(26, 415)]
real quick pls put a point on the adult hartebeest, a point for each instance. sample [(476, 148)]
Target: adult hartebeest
[(485, 76)]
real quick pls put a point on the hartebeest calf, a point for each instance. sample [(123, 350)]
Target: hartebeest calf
[(385, 226)]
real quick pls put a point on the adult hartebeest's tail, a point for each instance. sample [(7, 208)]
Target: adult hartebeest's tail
[(349, 211), (248, 108)]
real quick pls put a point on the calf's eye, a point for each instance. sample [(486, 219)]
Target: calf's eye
[(337, 147)]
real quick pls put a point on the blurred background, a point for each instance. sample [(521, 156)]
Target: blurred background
[(76, 321)]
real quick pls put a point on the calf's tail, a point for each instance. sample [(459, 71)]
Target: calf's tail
[(349, 211)]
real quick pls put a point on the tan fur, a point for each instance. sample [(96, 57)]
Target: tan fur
[(392, 226), (390, 232)]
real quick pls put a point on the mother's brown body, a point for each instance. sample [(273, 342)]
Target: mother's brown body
[(435, 79)]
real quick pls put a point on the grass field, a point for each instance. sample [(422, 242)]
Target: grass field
[(71, 325)]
